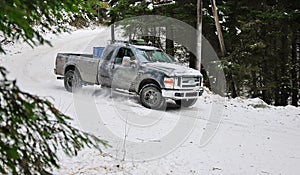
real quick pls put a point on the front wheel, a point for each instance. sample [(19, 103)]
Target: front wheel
[(72, 80), (151, 97), (186, 102)]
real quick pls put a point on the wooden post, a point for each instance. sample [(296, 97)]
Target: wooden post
[(218, 26), (199, 34), (112, 33)]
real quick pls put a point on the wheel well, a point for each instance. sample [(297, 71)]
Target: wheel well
[(147, 81), (70, 67)]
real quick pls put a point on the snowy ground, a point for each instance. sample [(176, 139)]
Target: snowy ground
[(251, 138)]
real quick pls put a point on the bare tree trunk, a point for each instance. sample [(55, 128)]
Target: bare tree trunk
[(265, 80), (284, 60), (294, 71), (218, 26), (254, 84), (232, 85), (277, 89), (169, 41), (199, 35)]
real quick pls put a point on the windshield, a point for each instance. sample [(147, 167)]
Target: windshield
[(145, 55)]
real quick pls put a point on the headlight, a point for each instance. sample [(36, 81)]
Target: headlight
[(169, 83)]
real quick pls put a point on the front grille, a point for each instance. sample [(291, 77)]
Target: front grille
[(189, 82)]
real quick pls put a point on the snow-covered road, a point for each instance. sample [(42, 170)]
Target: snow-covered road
[(252, 138)]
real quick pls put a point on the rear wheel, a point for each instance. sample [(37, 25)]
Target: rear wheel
[(186, 102), (72, 80), (151, 97)]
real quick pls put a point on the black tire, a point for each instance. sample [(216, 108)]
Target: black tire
[(72, 80), (186, 102), (151, 97)]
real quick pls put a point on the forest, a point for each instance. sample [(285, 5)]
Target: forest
[(262, 42)]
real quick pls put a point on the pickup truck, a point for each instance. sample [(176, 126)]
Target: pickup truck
[(145, 70)]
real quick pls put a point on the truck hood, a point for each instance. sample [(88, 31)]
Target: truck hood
[(171, 69)]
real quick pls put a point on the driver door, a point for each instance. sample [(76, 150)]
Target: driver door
[(124, 73)]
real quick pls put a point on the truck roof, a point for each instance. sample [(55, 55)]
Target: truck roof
[(144, 47)]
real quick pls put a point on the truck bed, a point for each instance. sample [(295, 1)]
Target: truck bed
[(63, 58)]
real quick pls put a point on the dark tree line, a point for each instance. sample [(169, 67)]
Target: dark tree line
[(261, 37)]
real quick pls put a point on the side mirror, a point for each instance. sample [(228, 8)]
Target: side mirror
[(128, 61)]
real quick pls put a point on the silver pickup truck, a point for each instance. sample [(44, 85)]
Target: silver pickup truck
[(145, 70)]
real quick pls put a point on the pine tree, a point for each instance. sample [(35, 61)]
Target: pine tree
[(32, 130)]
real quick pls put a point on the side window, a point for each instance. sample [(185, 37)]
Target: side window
[(107, 54), (121, 53)]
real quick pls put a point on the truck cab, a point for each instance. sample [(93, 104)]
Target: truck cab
[(149, 72)]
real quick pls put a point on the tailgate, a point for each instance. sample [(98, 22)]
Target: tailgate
[(60, 61)]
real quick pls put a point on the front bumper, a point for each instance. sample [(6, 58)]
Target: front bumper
[(182, 94)]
